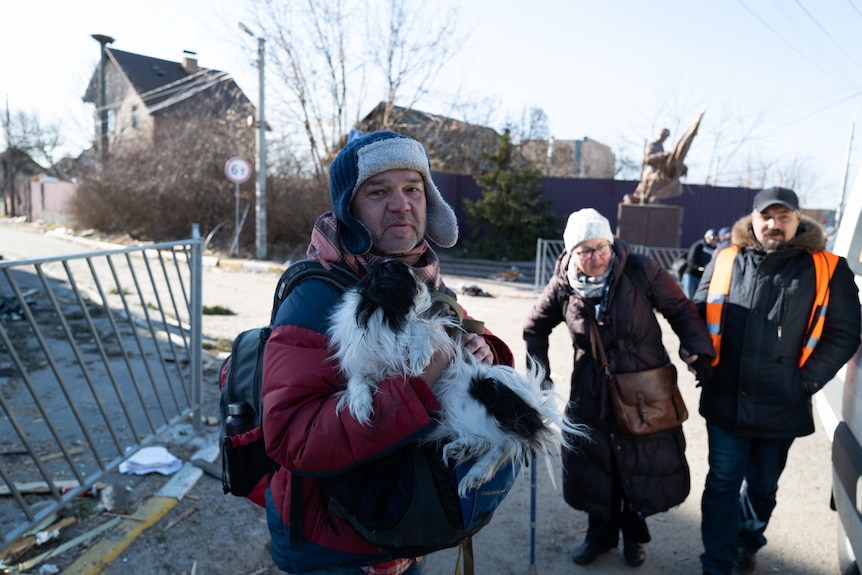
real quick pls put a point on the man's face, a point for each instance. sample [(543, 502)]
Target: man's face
[(392, 206), (774, 226)]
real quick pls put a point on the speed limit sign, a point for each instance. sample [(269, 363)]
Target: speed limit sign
[(237, 170)]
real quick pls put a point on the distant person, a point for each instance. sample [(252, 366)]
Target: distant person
[(723, 240), (618, 479), (757, 297), (829, 231), (699, 255)]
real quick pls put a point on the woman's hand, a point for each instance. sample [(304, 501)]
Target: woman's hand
[(476, 345)]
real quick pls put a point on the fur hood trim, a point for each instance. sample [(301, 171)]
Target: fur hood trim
[(809, 235)]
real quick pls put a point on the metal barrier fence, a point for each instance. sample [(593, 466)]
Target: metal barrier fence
[(99, 354), (547, 252)]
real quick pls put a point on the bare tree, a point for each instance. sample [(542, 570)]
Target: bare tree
[(326, 72), (310, 61), (40, 141), (30, 149), (410, 43)]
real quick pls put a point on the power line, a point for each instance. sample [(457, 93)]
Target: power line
[(828, 35), (792, 46)]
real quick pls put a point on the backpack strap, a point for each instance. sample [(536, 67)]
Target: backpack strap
[(336, 276), (341, 279)]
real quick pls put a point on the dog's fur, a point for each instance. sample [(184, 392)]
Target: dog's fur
[(388, 324)]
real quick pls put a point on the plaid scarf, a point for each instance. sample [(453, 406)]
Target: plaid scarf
[(325, 247)]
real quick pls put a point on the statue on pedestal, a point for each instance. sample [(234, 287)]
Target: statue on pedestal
[(663, 170)]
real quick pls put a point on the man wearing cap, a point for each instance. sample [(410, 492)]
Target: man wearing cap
[(772, 356), (723, 239), (384, 206)]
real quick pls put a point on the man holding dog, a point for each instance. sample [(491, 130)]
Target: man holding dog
[(784, 317), (384, 206)]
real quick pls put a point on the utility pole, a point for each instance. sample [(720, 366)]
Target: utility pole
[(10, 171), (840, 210), (260, 161), (103, 40)]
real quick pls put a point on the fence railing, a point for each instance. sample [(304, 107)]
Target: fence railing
[(547, 252), (99, 354)]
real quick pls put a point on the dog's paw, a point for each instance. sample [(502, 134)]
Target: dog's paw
[(359, 401), (457, 451), (477, 475)]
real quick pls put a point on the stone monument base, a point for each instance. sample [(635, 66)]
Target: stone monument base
[(652, 225)]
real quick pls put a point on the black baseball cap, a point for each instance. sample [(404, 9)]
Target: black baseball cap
[(776, 195)]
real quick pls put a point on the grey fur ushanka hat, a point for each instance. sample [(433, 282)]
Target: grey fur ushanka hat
[(370, 155)]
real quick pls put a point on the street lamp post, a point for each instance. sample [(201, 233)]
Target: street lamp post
[(260, 161), (103, 40)]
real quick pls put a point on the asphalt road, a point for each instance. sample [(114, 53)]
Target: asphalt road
[(802, 534)]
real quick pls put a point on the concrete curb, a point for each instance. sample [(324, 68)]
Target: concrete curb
[(119, 538), (245, 265)]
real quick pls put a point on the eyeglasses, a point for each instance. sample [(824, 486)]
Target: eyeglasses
[(587, 253)]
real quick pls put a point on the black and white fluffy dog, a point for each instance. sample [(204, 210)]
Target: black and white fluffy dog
[(389, 324)]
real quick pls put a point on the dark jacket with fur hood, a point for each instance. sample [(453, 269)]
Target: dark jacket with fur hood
[(653, 468), (758, 388)]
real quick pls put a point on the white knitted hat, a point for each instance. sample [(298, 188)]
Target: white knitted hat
[(586, 224)]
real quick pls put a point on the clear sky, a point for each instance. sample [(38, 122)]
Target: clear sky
[(780, 80)]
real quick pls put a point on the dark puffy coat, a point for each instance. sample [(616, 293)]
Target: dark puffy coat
[(653, 467), (758, 389), (698, 256)]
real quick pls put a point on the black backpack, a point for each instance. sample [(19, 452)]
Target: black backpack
[(245, 466)]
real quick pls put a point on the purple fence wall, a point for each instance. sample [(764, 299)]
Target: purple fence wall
[(704, 207)]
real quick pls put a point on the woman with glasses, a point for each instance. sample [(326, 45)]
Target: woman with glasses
[(617, 479)]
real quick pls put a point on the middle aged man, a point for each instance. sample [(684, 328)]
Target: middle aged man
[(773, 353)]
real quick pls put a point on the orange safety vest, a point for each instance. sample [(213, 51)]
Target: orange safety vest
[(719, 286)]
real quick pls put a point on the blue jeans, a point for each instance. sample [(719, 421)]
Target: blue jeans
[(739, 495), (689, 285)]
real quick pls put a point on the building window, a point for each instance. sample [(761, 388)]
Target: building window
[(112, 119), (136, 117)]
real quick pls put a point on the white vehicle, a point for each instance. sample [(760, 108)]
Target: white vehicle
[(840, 409)]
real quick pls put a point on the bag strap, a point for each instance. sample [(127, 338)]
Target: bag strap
[(597, 348), (470, 325), (465, 552)]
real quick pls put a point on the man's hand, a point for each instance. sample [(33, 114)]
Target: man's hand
[(700, 366), (476, 344)]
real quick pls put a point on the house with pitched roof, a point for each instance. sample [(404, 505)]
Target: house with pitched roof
[(453, 146), (458, 147), (146, 98)]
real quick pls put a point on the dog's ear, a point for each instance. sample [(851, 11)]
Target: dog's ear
[(389, 287)]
